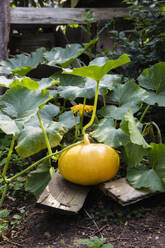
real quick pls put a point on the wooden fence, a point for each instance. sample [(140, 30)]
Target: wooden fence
[(47, 16), (4, 28)]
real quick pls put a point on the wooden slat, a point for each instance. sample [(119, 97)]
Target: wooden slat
[(63, 196), (123, 192), (61, 15), (4, 28)]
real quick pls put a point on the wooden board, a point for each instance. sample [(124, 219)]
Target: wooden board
[(4, 28), (124, 193), (63, 195), (23, 15)]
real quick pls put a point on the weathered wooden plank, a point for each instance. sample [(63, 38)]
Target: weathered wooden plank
[(123, 192), (4, 28), (63, 195), (61, 15)]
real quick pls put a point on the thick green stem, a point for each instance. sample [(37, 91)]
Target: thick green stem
[(76, 128), (94, 109), (8, 158), (86, 139), (144, 113), (141, 105), (3, 195), (40, 161), (44, 133), (82, 116)]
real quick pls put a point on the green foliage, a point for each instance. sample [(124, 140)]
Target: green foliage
[(39, 3), (152, 79), (37, 119), (106, 133), (4, 213), (6, 220), (13, 114), (95, 242), (26, 82), (129, 127), (98, 68), (38, 179), (31, 139), (72, 87), (144, 39), (141, 177), (3, 222), (128, 96), (146, 167), (63, 56), (16, 187), (67, 119), (22, 64)]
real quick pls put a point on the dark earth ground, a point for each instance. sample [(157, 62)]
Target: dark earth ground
[(141, 225)]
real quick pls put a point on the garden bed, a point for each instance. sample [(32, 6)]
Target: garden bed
[(141, 225)]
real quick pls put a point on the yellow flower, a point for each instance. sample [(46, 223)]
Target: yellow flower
[(79, 107), (75, 109), (88, 108)]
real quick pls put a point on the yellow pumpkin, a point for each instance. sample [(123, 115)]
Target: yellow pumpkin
[(89, 164)]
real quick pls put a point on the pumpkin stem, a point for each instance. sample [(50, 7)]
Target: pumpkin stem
[(86, 139), (94, 110)]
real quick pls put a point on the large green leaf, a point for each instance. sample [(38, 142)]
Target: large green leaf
[(29, 83), (22, 64), (19, 104), (38, 179), (100, 61), (109, 82), (68, 119), (129, 127), (72, 87), (127, 96), (25, 82), (142, 177), (107, 134), (48, 112), (157, 158), (31, 140), (45, 83), (153, 98), (53, 93), (99, 68), (63, 56), (152, 79), (134, 154), (5, 82), (7, 125)]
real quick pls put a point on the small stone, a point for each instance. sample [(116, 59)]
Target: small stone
[(47, 235)]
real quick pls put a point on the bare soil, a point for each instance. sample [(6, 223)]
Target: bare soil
[(141, 225)]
